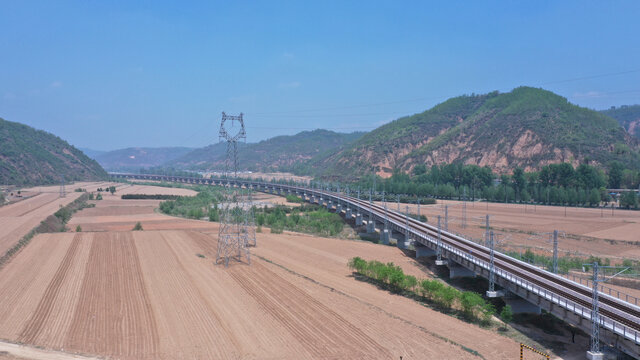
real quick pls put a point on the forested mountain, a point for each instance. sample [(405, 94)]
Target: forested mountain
[(526, 128), (29, 156), (131, 159), (628, 117), (281, 153)]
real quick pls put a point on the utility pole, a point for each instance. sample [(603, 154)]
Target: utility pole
[(418, 209), (370, 207), (594, 351), (492, 276), (439, 244), (398, 201), (595, 312), (464, 208), (555, 251), (446, 218), (486, 231), (406, 225)]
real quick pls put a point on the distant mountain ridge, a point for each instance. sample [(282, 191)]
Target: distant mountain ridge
[(281, 153), (29, 157), (134, 158), (526, 128), (628, 116)]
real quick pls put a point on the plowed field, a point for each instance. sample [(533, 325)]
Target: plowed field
[(147, 295), (588, 232), (17, 219)]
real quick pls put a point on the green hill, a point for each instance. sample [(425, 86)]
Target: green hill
[(628, 117), (29, 156), (281, 153), (526, 128), (131, 159)]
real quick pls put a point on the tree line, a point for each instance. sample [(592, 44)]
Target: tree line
[(554, 184)]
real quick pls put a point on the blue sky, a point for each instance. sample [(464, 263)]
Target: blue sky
[(107, 75)]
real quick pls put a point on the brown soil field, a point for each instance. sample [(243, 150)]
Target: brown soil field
[(18, 218), (114, 214), (146, 295), (114, 293), (584, 231)]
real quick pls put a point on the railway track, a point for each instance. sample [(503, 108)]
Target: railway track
[(582, 295), (617, 311)]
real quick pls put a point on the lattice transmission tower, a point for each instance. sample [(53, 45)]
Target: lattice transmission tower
[(237, 226)]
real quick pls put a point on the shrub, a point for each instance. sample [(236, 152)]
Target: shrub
[(78, 228), (470, 302), (410, 282), (506, 315), (293, 199), (445, 296), (99, 197), (214, 215), (277, 229), (138, 227), (357, 264)]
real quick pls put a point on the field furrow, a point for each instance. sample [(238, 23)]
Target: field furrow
[(113, 315), (43, 311), (319, 329)]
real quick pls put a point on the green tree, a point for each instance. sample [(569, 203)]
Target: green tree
[(629, 199), (594, 197), (78, 228), (410, 282), (615, 174), (420, 169), (519, 180), (470, 301), (138, 227), (214, 215), (506, 315)]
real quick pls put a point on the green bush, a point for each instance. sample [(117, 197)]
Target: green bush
[(78, 228), (474, 307), (506, 315), (293, 199), (138, 227), (277, 229)]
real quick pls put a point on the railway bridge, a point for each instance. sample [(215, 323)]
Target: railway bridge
[(531, 288)]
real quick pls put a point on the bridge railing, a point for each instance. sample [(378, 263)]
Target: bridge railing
[(584, 312)]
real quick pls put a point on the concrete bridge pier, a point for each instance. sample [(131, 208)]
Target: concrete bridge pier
[(338, 208), (402, 240), (348, 214), (358, 219), (423, 251), (371, 227), (329, 204), (384, 236)]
